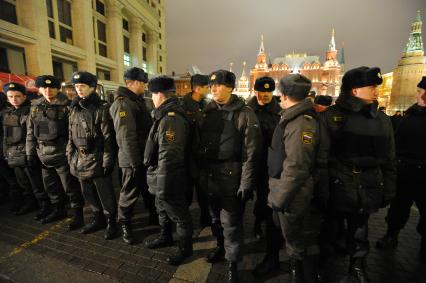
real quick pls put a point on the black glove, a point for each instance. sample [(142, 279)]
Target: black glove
[(108, 170), (31, 160), (244, 195)]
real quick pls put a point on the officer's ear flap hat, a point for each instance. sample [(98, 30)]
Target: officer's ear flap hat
[(84, 78), (136, 74), (295, 86), (199, 80), (47, 81), (264, 84), (361, 77), (14, 86), (222, 77), (422, 83), (163, 84), (324, 100)]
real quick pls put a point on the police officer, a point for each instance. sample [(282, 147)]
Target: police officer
[(90, 152), (8, 185), (229, 150), (291, 159), (193, 103), (411, 155), (47, 138), (14, 120), (266, 108), (132, 121), (357, 160), (166, 156)]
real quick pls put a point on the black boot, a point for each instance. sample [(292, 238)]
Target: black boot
[(28, 206), (269, 264), (164, 239), (77, 220), (296, 270), (184, 251), (389, 241), (311, 269), (58, 213), (233, 272), (126, 228), (357, 270), (111, 229), (44, 211), (217, 255), (98, 223)]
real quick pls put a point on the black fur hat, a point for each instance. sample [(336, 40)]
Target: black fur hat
[(14, 86), (162, 84), (361, 77), (264, 84), (199, 80), (422, 83), (47, 81), (324, 100), (84, 78), (222, 77), (136, 74), (295, 85)]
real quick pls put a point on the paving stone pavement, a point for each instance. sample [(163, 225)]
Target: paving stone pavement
[(25, 245)]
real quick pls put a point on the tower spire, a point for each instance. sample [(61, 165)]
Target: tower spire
[(262, 47), (332, 45), (243, 74), (415, 44), (230, 66)]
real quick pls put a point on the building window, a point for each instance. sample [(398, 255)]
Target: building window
[(161, 58), (160, 46), (12, 59), (99, 26), (161, 69), (159, 13), (127, 61), (100, 7), (159, 35), (144, 53), (144, 67), (143, 37), (103, 74), (125, 24), (126, 44), (8, 11), (159, 24), (51, 29), (59, 20)]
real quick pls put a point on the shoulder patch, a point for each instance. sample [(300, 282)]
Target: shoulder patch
[(307, 137), (122, 114), (170, 136), (171, 114)]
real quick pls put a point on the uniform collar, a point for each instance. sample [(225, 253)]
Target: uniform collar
[(302, 107), (235, 103)]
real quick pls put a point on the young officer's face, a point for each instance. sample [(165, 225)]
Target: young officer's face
[(16, 98), (368, 94), (421, 97), (220, 93), (83, 90), (203, 90), (263, 98), (49, 93)]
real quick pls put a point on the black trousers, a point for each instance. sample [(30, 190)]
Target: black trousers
[(99, 193), (58, 181), (175, 211), (29, 179), (133, 184), (202, 198), (410, 189), (8, 183)]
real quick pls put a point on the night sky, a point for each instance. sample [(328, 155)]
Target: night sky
[(210, 34)]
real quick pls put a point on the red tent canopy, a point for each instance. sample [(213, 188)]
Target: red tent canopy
[(28, 81)]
